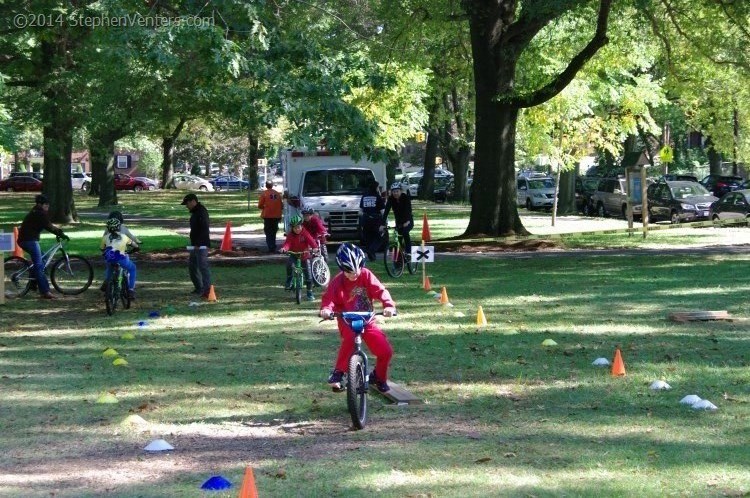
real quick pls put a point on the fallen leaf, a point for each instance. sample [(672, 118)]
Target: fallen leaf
[(483, 460), (510, 454)]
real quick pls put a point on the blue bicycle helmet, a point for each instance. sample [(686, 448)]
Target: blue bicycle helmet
[(350, 258)]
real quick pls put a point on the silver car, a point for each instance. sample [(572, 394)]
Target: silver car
[(191, 182)]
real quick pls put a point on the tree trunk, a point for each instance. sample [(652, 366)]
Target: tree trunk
[(167, 151), (58, 148), (392, 162), (102, 149), (252, 159), (566, 201), (714, 158)]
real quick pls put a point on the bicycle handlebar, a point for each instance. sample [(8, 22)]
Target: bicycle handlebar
[(367, 315)]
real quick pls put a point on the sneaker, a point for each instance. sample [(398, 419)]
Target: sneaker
[(310, 296), (131, 294), (380, 385), (103, 287), (335, 380), (288, 284), (47, 296)]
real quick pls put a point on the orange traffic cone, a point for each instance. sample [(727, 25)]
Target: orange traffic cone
[(211, 295), (426, 284), (426, 235), (618, 366), (443, 296), (248, 489), (226, 243), (481, 320), (17, 251)]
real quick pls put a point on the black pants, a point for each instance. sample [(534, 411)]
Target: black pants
[(372, 239), (306, 270), (271, 228), (404, 232)]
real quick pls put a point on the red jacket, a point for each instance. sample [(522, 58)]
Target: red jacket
[(344, 295), (300, 242), (315, 227)]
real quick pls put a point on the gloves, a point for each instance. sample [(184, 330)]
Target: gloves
[(326, 313), (389, 312)]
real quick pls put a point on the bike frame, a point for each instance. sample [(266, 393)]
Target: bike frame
[(47, 258)]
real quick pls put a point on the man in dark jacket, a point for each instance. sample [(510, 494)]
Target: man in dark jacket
[(28, 238), (371, 204), (199, 244)]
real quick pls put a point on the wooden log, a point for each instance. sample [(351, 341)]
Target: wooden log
[(398, 394), (696, 316)]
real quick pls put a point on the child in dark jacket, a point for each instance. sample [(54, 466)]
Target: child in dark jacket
[(298, 240)]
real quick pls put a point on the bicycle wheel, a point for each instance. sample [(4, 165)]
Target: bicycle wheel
[(73, 276), (17, 276), (393, 259), (111, 295), (321, 274), (124, 297), (356, 392), (298, 288)]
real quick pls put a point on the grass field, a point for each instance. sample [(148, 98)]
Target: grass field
[(241, 383)]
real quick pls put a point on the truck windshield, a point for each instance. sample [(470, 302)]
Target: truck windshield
[(337, 182)]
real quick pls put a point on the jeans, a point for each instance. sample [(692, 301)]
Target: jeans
[(32, 247), (128, 265), (200, 275), (270, 228)]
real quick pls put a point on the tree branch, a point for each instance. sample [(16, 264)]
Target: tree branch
[(563, 79)]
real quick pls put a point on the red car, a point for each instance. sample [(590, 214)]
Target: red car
[(21, 184), (127, 182)]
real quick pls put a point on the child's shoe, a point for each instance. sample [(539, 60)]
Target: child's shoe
[(335, 380), (310, 296), (380, 385), (288, 284), (131, 294)]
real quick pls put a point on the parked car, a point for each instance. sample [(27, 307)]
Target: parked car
[(21, 184), (411, 183), (80, 181), (721, 184), (229, 182), (585, 187), (443, 188), (733, 205), (152, 184), (36, 174), (611, 198), (679, 201), (191, 182), (679, 177), (535, 192), (127, 182)]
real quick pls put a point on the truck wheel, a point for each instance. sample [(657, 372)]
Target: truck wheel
[(600, 211), (529, 205), (675, 218)]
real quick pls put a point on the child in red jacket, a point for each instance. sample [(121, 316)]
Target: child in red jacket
[(354, 289), (298, 240), (316, 228)]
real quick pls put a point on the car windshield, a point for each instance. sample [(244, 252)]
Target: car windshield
[(541, 183), (690, 190), (337, 182)]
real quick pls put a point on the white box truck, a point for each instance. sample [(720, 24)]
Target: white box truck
[(331, 184)]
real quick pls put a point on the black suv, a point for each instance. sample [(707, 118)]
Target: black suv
[(721, 184), (678, 201), (585, 186)]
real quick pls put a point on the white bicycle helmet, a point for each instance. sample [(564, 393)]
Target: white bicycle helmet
[(350, 258)]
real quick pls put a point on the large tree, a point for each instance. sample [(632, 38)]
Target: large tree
[(501, 32)]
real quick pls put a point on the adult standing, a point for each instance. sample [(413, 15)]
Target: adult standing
[(28, 238), (372, 205), (271, 207), (200, 242), (400, 202)]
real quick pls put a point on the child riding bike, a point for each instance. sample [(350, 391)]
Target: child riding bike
[(400, 202), (315, 227), (114, 247), (299, 240), (354, 289)]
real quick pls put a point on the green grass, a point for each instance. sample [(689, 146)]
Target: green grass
[(241, 382)]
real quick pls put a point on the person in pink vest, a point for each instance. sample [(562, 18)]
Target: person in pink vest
[(355, 289)]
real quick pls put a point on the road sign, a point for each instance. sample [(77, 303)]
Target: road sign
[(422, 254), (666, 154), (7, 243)]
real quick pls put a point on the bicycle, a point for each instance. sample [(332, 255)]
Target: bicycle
[(395, 258), (116, 288), (319, 270), (298, 275), (70, 275), (357, 383)]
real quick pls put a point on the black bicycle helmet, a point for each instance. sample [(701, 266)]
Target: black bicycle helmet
[(116, 214), (113, 225)]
